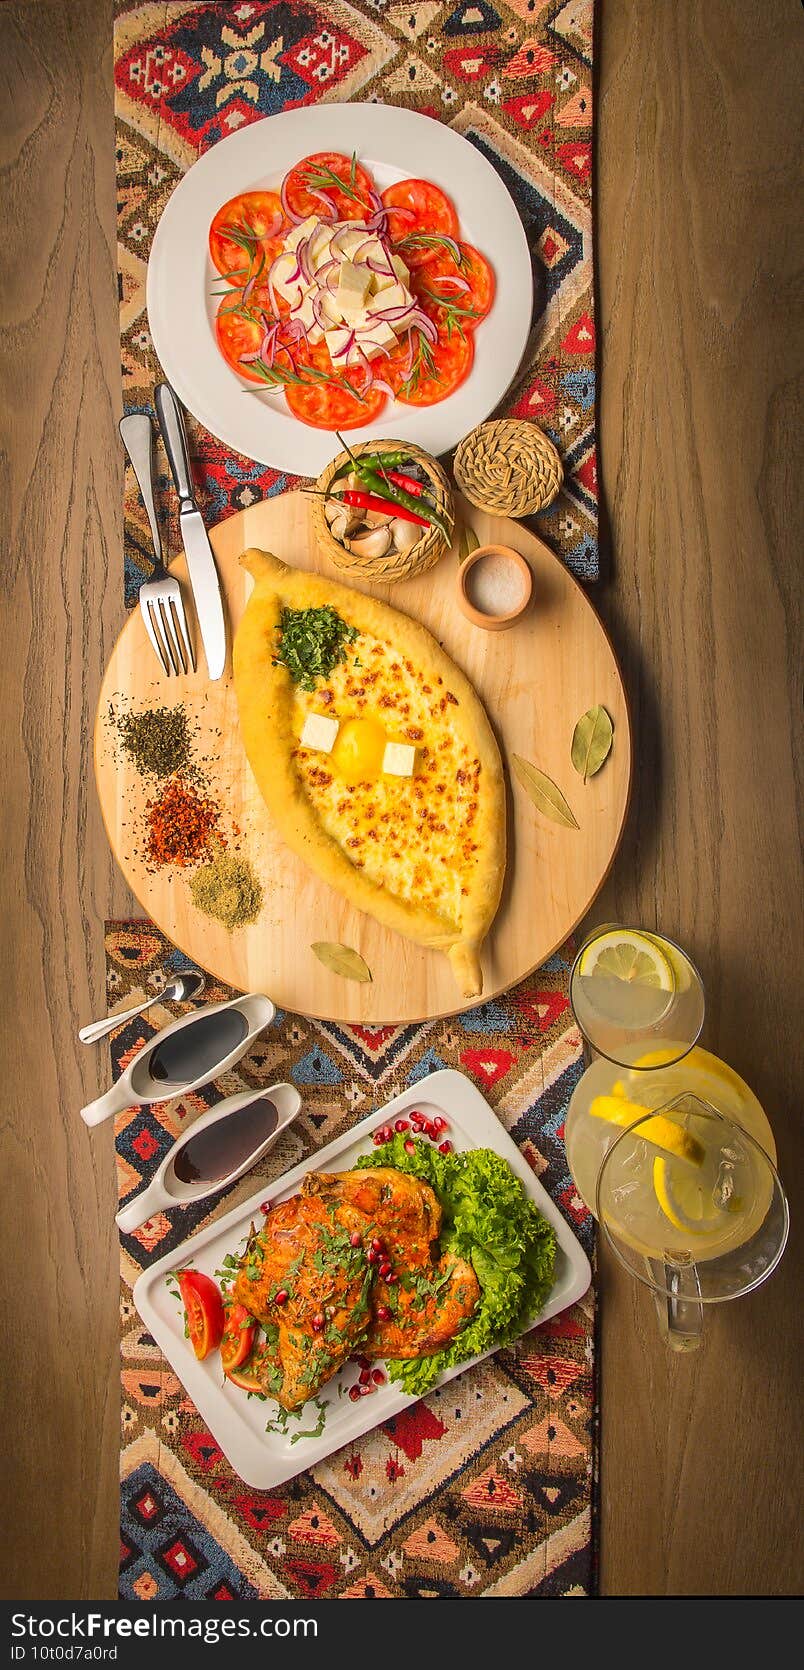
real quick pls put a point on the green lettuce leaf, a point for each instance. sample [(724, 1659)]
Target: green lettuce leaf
[(489, 1220)]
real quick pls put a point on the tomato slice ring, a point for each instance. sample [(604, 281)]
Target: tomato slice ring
[(329, 405), (236, 335), (203, 1307), (439, 371), (424, 210), (248, 223), (237, 1342), (330, 167), (468, 307)]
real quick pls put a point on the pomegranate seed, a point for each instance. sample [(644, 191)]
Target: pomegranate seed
[(445, 1148), (440, 1124), (354, 1393), (362, 1362), (318, 1323), (371, 1256), (391, 1281), (378, 1377), (416, 1113), (354, 1238), (365, 1376), (383, 1313), (377, 1139), (387, 1133), (385, 1270), (281, 1298), (364, 1391), (410, 1146), (416, 1122), (402, 1125), (265, 1207)]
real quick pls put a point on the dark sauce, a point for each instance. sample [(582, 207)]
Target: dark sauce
[(193, 1053), (224, 1146)]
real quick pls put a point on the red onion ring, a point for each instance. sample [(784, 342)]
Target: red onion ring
[(379, 383), (459, 283), (321, 197), (394, 315), (289, 213)]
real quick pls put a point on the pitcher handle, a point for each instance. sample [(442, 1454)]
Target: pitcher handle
[(678, 1305)]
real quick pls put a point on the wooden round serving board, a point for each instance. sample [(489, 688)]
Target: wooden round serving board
[(535, 679)]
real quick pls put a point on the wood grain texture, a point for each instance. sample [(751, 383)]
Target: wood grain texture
[(698, 169), (535, 680)]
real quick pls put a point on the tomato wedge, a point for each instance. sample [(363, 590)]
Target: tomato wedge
[(238, 1337), (249, 224), (203, 1307), (441, 287), (423, 210), (437, 371), (329, 405), (328, 181), (248, 1376)]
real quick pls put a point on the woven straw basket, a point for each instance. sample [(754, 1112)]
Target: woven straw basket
[(508, 468), (398, 565)]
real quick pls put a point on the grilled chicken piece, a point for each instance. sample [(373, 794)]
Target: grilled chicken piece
[(403, 1210), (423, 1310), (425, 1307), (304, 1251)]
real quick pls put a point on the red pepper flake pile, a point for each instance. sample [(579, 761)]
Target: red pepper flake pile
[(179, 823)]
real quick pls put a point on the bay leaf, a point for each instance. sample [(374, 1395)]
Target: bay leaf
[(467, 543), (545, 794), (591, 741), (341, 959)]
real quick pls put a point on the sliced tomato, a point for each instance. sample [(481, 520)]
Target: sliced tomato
[(326, 404), (249, 224), (237, 334), (350, 199), (437, 371), (423, 210), (203, 1307), (248, 1376), (238, 1337), (441, 287)]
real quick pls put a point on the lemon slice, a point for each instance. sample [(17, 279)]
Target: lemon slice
[(629, 956), (684, 1201), (656, 1128)]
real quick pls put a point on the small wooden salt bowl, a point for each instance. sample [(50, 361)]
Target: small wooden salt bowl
[(487, 619)]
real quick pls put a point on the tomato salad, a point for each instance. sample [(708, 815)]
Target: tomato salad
[(338, 299)]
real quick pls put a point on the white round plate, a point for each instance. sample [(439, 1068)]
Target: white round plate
[(394, 145)]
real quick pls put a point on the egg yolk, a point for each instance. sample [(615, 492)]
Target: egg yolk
[(359, 750)]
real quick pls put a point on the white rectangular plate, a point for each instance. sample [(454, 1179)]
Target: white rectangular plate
[(236, 1422)]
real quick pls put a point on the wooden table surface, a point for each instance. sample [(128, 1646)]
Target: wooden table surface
[(697, 205)]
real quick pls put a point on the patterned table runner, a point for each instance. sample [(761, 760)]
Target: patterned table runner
[(515, 78), (486, 1486)]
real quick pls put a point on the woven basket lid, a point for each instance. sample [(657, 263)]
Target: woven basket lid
[(508, 467)]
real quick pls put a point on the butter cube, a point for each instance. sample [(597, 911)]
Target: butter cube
[(399, 759), (319, 732)]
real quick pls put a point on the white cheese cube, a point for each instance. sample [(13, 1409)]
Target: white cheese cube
[(374, 336), (396, 295), (305, 230), (402, 272), (303, 311), (353, 283), (319, 250), (283, 267), (338, 340), (347, 239), (319, 732), (399, 759)]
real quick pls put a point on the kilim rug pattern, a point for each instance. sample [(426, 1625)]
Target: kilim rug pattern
[(515, 77), (484, 1487)]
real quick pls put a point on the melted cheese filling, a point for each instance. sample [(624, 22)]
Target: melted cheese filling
[(414, 836)]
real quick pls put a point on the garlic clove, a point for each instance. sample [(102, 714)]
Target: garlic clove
[(373, 544), (405, 534)]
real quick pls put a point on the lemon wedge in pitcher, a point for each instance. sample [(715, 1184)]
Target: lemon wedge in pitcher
[(684, 1201), (656, 1128), (629, 956)]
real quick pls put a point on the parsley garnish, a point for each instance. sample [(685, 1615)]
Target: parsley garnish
[(312, 643)]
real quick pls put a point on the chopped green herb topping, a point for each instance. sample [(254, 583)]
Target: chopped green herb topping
[(312, 642)]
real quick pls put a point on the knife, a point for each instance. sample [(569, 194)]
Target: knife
[(197, 549)]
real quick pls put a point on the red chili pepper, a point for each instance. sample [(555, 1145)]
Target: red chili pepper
[(370, 501), (409, 482)]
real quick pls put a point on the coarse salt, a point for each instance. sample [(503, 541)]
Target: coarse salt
[(495, 586)]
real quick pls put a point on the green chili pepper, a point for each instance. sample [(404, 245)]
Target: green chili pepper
[(377, 484)]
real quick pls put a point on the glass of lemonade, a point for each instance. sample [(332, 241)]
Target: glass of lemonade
[(693, 1207)]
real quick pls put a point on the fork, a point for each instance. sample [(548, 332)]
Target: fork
[(161, 603)]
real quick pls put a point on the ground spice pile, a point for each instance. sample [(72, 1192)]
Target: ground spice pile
[(158, 740), (227, 889), (179, 823)]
